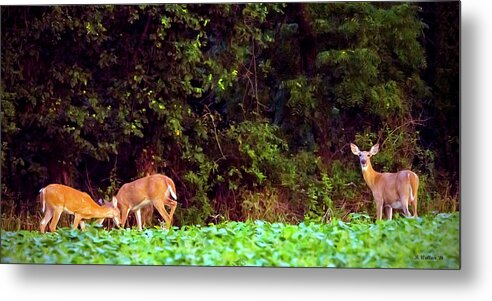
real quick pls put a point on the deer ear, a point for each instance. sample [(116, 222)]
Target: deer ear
[(115, 202), (374, 150), (355, 149)]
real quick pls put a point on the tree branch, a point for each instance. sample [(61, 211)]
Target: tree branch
[(142, 39)]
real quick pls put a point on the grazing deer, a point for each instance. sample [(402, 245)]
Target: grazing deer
[(157, 190), (390, 190), (57, 198)]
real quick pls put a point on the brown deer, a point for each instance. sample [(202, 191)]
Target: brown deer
[(157, 190), (390, 190), (57, 198)]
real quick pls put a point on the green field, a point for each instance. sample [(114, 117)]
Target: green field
[(428, 242)]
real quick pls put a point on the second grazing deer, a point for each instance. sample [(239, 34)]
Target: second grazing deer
[(390, 190), (156, 190)]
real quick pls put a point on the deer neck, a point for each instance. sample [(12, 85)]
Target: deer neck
[(370, 175)]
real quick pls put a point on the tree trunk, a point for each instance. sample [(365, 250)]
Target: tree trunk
[(307, 40)]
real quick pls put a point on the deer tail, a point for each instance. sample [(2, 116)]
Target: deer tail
[(173, 194), (410, 188), (42, 196), (410, 198), (171, 191)]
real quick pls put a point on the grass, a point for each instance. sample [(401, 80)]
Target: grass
[(428, 242)]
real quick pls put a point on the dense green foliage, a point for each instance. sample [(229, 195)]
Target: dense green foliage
[(248, 107), (429, 242)]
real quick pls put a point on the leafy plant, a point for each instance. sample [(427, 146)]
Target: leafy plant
[(423, 243)]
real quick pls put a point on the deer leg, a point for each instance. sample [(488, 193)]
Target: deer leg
[(82, 225), (408, 197), (173, 205), (159, 205), (414, 187), (389, 212), (76, 221), (413, 201), (406, 212), (139, 219), (414, 205), (379, 211), (56, 217), (404, 206), (124, 215), (48, 215)]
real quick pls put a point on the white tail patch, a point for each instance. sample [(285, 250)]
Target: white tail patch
[(43, 199), (173, 194)]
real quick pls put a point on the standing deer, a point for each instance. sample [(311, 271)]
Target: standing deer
[(157, 190), (390, 190), (57, 198)]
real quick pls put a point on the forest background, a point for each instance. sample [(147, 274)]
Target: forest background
[(249, 108)]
